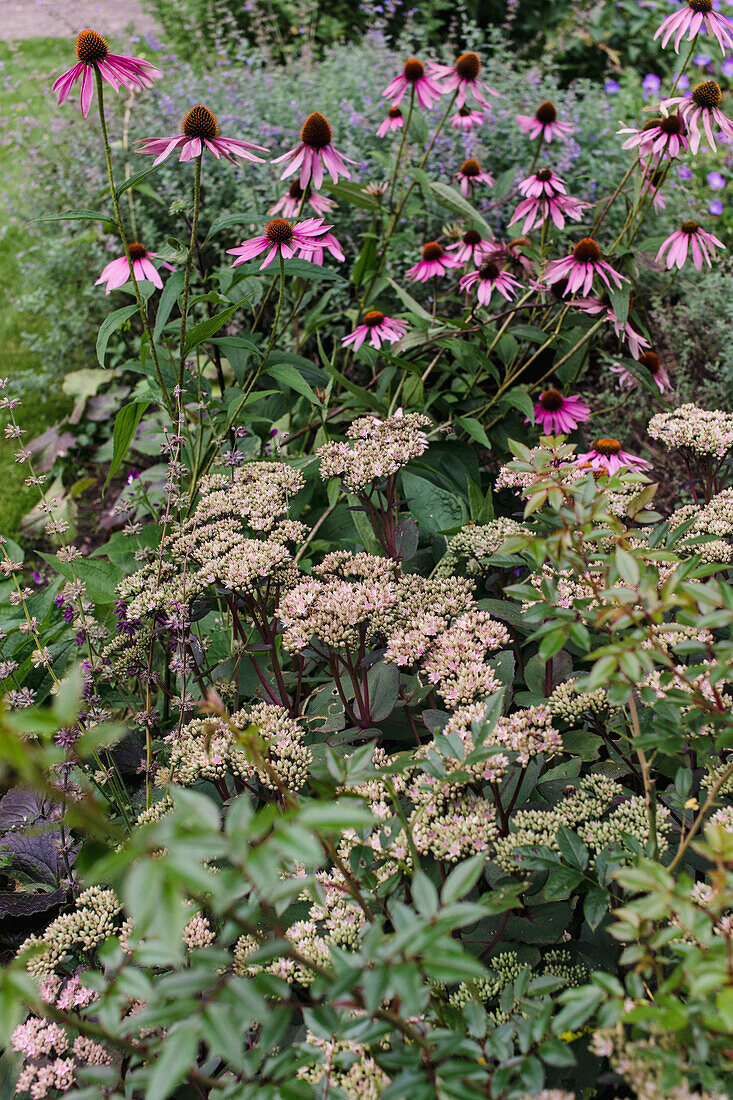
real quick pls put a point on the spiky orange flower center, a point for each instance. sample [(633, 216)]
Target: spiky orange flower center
[(468, 65), (701, 6), (200, 122), (690, 227), (373, 317), (472, 237), (607, 446), (651, 361), (137, 251), (470, 167), (316, 131), (394, 112), (432, 251), (707, 94), (413, 70), (551, 400), (279, 231), (91, 47), (543, 175), (546, 112), (586, 251)]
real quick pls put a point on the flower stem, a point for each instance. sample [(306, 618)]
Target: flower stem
[(189, 263), (125, 244), (273, 334)]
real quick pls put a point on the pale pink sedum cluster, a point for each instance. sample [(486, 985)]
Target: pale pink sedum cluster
[(704, 432), (456, 661), (377, 449), (527, 733)]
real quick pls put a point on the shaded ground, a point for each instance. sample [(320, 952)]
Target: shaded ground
[(63, 18)]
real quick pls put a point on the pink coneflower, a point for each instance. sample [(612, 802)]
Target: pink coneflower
[(609, 456), (466, 118), (556, 413), (116, 70), (472, 246), (689, 236), (394, 121), (435, 262), (283, 237), (325, 243), (653, 363), (378, 328), (290, 203), (546, 198), (580, 268), (117, 272), (691, 19), (544, 123), (593, 306), (462, 78), (658, 136), (314, 153), (199, 130), (488, 278), (700, 109), (427, 90), (469, 174)]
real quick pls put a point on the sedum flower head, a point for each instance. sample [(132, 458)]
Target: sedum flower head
[(376, 449), (701, 431)]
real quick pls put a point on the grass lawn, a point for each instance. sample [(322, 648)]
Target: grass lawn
[(28, 69)]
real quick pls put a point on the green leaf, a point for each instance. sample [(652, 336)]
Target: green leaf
[(179, 1048), (595, 905), (462, 878), (503, 185), (366, 262), (434, 509), (169, 295), (100, 577), (453, 200), (204, 329), (224, 221), (354, 195), (521, 400), (287, 375), (111, 324), (78, 216), (572, 848), (409, 301), (474, 429), (424, 894), (134, 180), (619, 296), (126, 423)]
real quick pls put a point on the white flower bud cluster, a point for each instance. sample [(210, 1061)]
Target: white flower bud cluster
[(532, 828), (714, 518), (469, 550), (630, 818), (572, 705), (504, 969), (198, 933), (714, 773), (94, 919), (212, 748), (377, 449), (345, 1066), (702, 431)]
